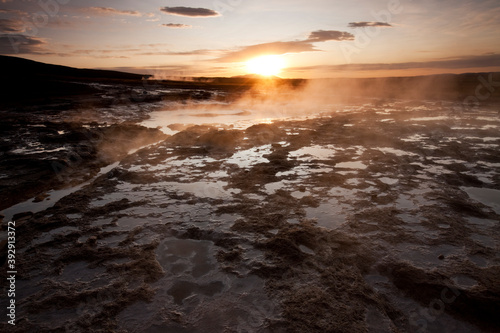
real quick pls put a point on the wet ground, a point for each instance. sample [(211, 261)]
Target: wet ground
[(373, 217)]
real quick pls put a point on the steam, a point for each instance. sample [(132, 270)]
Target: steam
[(248, 102), (276, 99)]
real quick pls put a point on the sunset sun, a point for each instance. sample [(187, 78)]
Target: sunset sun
[(265, 65)]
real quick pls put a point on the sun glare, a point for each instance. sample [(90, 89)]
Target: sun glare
[(266, 65)]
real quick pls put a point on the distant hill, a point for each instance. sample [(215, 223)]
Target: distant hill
[(13, 66), (27, 82)]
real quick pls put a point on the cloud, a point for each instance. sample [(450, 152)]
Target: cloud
[(20, 44), (477, 61), (10, 26), (190, 11), (177, 26), (171, 53), (274, 48), (368, 24), (111, 11), (195, 52), (278, 48), (326, 35)]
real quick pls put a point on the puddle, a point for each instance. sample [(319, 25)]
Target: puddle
[(483, 223), (405, 202), (199, 293), (48, 236), (351, 165), (483, 240), (447, 161), (101, 222), (183, 289), (346, 194), (129, 223), (212, 190), (426, 256), (157, 192), (79, 271), (110, 241), (480, 261), (304, 171), (307, 250), (27, 151), (248, 158), (433, 169), (271, 188), (376, 321), (314, 153), (486, 196), (53, 198), (300, 195), (328, 215), (215, 114), (415, 138), (187, 258), (429, 118), (388, 181), (397, 152), (464, 281)]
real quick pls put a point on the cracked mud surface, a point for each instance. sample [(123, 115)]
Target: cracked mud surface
[(381, 219)]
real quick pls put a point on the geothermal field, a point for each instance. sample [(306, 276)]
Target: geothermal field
[(251, 207)]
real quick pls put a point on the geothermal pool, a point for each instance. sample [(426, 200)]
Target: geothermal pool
[(373, 217)]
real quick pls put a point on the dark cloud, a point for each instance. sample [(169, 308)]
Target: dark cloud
[(111, 11), (368, 24), (278, 48), (190, 11), (481, 61), (20, 44), (177, 26), (14, 12), (11, 25), (326, 35)]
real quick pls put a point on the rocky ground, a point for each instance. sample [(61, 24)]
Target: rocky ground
[(375, 217)]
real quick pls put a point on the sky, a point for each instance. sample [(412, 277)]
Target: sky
[(314, 38)]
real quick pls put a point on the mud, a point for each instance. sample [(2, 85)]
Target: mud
[(41, 152), (380, 219)]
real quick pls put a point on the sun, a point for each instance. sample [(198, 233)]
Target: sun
[(266, 65)]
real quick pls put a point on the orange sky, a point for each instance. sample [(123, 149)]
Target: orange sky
[(316, 38)]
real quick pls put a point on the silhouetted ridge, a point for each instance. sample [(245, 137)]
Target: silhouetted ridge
[(13, 66)]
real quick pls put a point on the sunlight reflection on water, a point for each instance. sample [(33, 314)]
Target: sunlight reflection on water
[(169, 120)]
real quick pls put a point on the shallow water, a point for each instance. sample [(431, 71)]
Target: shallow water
[(237, 238), (486, 196), (216, 114), (53, 197), (351, 165)]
